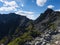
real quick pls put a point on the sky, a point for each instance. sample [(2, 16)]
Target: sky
[(29, 8)]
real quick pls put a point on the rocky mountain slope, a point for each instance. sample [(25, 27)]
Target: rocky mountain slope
[(49, 25), (46, 18), (18, 30)]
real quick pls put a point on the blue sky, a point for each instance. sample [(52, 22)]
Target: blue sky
[(29, 8)]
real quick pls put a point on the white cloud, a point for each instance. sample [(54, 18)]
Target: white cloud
[(24, 12), (57, 10), (8, 6), (28, 14), (22, 5), (2, 0), (50, 6), (41, 2), (12, 3)]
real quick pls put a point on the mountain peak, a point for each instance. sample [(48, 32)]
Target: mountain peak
[(48, 10)]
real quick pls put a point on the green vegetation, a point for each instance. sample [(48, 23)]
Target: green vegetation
[(27, 36), (21, 40), (53, 26), (3, 40)]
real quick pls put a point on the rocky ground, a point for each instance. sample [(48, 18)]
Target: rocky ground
[(46, 39)]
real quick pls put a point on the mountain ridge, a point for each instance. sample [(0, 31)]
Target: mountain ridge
[(14, 27)]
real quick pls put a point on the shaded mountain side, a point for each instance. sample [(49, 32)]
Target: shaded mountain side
[(16, 29), (10, 22)]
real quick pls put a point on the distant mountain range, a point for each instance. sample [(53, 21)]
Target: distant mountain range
[(14, 27)]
